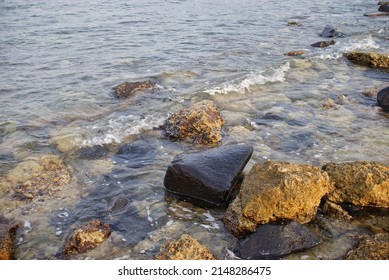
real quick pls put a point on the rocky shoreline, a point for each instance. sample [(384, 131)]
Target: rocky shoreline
[(276, 209)]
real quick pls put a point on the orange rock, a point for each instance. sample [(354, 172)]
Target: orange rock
[(7, 236)]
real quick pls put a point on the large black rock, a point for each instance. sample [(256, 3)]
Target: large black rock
[(208, 177), (384, 8), (383, 98), (272, 241)]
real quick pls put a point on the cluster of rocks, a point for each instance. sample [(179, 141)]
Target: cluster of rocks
[(383, 10), (275, 199)]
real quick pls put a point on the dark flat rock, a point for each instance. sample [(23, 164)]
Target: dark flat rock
[(208, 177), (272, 241), (323, 44), (383, 98), (384, 8)]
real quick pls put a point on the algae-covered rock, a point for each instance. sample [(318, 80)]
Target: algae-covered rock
[(200, 124), (369, 59), (274, 191), (7, 236), (360, 183), (185, 248), (371, 248), (86, 237), (36, 177), (127, 89)]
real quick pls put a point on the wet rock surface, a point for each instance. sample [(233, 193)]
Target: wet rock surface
[(86, 237), (384, 8), (185, 248), (369, 59), (296, 53), (371, 248), (207, 177), (37, 177), (274, 191), (323, 44), (128, 90), (200, 124), (273, 241), (383, 98), (7, 236), (360, 183)]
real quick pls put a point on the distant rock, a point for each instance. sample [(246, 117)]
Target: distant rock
[(384, 8), (376, 14), (199, 124), (7, 236), (207, 177), (37, 177), (323, 44), (383, 98), (86, 237), (360, 183), (383, 3), (294, 23), (329, 103), (330, 32), (185, 248), (371, 248), (369, 59), (127, 89), (296, 53), (274, 191), (272, 241)]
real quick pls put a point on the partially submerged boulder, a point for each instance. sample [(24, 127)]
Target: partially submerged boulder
[(200, 124), (384, 8), (360, 183), (296, 53), (127, 89), (372, 248), (331, 31), (273, 191), (7, 236), (86, 237), (273, 241), (370, 59), (207, 177), (185, 248), (37, 177), (383, 98)]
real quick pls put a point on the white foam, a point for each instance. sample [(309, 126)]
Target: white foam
[(257, 78)]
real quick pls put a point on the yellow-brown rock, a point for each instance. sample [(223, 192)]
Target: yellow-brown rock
[(185, 248), (86, 237), (200, 124), (7, 235), (127, 89), (38, 177), (360, 183), (274, 191), (369, 59), (372, 248)]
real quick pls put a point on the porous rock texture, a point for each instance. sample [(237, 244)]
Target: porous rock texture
[(200, 124), (361, 183), (185, 248), (372, 248), (274, 191), (128, 90), (370, 59)]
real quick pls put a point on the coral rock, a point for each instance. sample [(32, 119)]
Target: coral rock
[(200, 124), (369, 59), (274, 191), (185, 248), (86, 237), (360, 183)]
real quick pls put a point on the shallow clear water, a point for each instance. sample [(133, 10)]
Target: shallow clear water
[(60, 60)]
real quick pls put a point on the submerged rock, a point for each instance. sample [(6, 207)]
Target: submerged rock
[(185, 248), (273, 191), (323, 44), (369, 59), (207, 177), (38, 177), (329, 103), (376, 14), (371, 248), (360, 183), (127, 89), (273, 241), (296, 53), (331, 31), (383, 98), (7, 236), (200, 124), (86, 237)]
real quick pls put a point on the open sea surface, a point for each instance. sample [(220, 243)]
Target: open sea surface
[(59, 63)]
